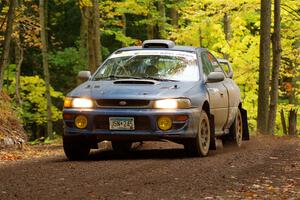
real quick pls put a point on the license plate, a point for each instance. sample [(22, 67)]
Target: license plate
[(121, 123)]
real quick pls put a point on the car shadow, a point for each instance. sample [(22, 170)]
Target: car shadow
[(138, 154)]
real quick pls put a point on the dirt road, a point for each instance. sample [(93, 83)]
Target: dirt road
[(264, 168)]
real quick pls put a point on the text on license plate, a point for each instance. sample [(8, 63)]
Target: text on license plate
[(121, 123)]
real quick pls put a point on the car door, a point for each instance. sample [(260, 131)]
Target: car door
[(218, 94), (233, 92)]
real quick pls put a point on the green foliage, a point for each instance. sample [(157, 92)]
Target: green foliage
[(42, 140), (34, 102), (201, 22), (67, 64)]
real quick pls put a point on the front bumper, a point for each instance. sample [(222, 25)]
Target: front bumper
[(147, 129)]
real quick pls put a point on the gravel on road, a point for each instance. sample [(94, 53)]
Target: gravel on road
[(263, 168)]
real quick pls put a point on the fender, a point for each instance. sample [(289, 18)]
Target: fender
[(246, 135)]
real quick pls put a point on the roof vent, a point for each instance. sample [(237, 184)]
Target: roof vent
[(158, 44)]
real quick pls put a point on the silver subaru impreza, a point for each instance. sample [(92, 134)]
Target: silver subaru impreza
[(157, 91)]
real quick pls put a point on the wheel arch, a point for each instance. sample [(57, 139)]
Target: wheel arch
[(206, 107)]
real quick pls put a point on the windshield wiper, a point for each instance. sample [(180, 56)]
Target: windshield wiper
[(158, 79), (114, 77)]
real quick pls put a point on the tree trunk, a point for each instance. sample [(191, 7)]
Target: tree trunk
[(275, 69), (19, 56), (7, 40), (200, 37), (83, 27), (293, 122), (150, 31), (83, 35), (227, 31), (174, 14), (96, 27), (264, 67), (124, 21), (46, 67), (19, 59), (162, 19), (227, 28), (90, 43), (93, 36), (283, 122)]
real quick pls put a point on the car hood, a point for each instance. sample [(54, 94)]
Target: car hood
[(133, 89)]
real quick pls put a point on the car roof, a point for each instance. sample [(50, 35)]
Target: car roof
[(175, 48)]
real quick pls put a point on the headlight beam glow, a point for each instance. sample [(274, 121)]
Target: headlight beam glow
[(82, 103), (166, 104), (172, 103)]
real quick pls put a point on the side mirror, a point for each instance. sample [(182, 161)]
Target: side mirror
[(215, 77), (84, 75)]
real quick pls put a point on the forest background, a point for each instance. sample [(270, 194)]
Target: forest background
[(51, 41)]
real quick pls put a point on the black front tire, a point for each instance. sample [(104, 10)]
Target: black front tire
[(75, 149)]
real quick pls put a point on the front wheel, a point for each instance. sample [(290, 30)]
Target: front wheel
[(200, 145), (75, 149)]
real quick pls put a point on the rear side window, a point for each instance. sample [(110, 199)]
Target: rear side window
[(225, 67)]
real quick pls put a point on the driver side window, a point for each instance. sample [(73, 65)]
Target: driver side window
[(210, 64), (214, 63), (207, 65)]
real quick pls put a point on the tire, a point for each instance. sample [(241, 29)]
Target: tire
[(235, 135), (75, 149), (121, 147), (199, 146)]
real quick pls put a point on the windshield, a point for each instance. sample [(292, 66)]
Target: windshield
[(157, 65)]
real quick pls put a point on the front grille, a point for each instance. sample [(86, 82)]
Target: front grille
[(141, 123), (122, 103)]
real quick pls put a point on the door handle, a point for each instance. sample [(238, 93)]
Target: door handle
[(221, 93)]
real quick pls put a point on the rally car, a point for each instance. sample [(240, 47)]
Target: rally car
[(157, 91)]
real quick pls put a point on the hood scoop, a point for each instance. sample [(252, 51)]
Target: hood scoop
[(136, 82)]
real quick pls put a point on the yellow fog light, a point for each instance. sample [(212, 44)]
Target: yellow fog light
[(164, 123), (81, 121)]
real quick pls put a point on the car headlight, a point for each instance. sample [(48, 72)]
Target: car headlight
[(172, 103), (78, 103)]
